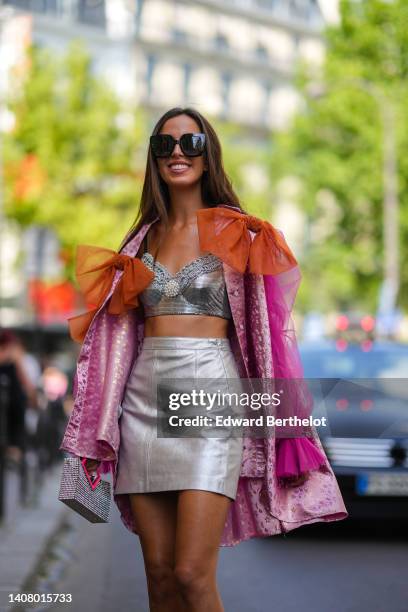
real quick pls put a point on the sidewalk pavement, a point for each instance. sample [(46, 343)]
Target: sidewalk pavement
[(25, 535)]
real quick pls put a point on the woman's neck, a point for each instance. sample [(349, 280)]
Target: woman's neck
[(184, 204)]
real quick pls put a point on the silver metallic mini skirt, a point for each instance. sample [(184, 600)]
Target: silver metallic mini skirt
[(148, 462)]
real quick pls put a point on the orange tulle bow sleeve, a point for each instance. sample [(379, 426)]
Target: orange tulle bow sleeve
[(95, 270), (224, 232)]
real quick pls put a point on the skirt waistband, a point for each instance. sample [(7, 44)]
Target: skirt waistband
[(188, 342)]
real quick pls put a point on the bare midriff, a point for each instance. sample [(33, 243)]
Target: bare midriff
[(194, 326)]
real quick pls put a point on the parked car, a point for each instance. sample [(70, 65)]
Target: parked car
[(366, 404)]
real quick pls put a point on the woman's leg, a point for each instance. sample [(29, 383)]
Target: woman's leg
[(155, 516), (201, 517)]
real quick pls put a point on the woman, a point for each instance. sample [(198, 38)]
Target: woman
[(198, 288)]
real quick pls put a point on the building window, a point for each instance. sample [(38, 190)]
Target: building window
[(221, 42), (301, 9), (226, 79), (267, 88), (268, 5), (179, 36), (186, 80), (138, 15), (151, 64), (261, 52), (35, 6), (92, 13)]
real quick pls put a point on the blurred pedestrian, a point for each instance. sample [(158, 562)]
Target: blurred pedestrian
[(16, 391), (52, 420)]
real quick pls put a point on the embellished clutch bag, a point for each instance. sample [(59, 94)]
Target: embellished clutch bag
[(87, 495)]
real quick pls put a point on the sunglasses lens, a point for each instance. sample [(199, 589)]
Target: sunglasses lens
[(192, 144), (162, 145)]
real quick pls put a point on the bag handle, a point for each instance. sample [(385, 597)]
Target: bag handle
[(93, 483)]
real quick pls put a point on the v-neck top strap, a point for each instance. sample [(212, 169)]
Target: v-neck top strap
[(197, 288)]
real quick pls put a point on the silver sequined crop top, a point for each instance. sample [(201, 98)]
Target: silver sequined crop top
[(197, 288)]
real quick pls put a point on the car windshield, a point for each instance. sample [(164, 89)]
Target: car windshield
[(389, 361)]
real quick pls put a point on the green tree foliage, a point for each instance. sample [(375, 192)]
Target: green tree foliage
[(73, 161), (335, 147), (246, 164)]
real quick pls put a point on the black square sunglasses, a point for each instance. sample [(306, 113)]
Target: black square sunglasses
[(163, 145)]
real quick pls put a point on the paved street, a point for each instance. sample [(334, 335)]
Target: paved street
[(320, 568)]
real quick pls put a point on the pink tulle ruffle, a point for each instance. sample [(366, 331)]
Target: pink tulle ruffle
[(295, 456)]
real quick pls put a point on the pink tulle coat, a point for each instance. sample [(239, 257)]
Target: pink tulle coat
[(264, 344)]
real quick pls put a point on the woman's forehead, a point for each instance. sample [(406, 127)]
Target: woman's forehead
[(179, 125)]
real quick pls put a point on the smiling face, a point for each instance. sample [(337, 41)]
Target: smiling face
[(178, 170)]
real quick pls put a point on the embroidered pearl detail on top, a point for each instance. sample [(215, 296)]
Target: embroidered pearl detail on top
[(171, 288)]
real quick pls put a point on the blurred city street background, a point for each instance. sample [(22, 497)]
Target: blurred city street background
[(309, 99)]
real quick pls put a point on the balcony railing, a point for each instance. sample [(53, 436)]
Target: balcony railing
[(90, 12)]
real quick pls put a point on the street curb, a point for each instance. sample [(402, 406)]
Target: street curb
[(22, 544)]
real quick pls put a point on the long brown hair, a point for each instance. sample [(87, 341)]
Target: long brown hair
[(216, 187)]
